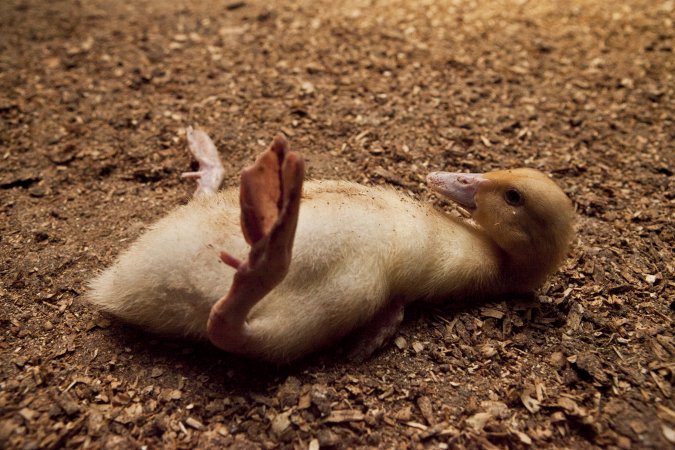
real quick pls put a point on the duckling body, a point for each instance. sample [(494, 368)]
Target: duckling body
[(358, 254)]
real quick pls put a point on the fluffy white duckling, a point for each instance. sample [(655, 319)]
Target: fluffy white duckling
[(359, 254)]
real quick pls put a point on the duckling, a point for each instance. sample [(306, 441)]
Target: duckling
[(296, 279)]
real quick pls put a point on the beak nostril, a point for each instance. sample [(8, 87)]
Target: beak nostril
[(460, 188)]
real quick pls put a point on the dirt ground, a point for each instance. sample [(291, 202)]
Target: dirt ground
[(94, 101)]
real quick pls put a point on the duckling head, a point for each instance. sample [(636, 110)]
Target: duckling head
[(522, 210)]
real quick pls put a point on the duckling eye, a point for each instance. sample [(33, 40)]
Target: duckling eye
[(513, 197)]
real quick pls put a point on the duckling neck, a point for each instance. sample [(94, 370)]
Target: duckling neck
[(459, 261), (464, 261), (526, 270)]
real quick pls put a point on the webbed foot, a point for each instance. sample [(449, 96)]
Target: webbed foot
[(378, 332), (270, 200), (210, 174)]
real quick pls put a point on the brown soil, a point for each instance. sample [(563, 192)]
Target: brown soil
[(95, 97)]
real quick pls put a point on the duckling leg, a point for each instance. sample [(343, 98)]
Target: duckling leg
[(378, 332), (270, 200), (210, 174)]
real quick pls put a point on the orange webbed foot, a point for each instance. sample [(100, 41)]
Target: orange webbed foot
[(378, 332), (270, 194)]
